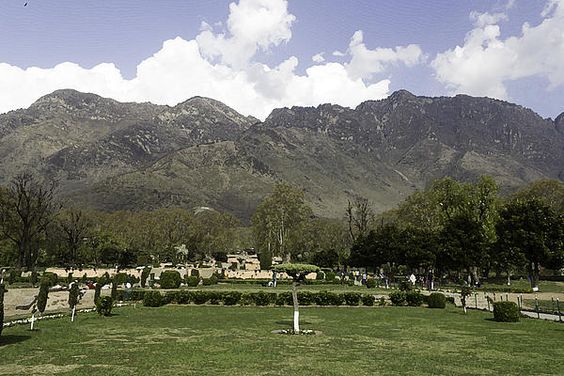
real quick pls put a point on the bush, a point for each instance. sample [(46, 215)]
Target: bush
[(210, 281), (200, 297), (231, 297), (285, 298), (215, 297), (194, 273), (352, 298), (97, 292), (104, 306), (53, 278), (370, 283), (304, 298), (450, 299), (120, 278), (262, 298), (43, 295), (436, 300), (144, 275), (368, 300), (192, 281), (506, 312), (382, 301), (330, 276), (2, 291), (183, 297), (170, 279), (405, 286), (320, 276), (153, 299), (398, 298), (414, 298), (328, 298)]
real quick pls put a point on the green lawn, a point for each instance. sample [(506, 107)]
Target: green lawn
[(212, 340)]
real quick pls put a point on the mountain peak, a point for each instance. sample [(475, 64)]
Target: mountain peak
[(402, 94)]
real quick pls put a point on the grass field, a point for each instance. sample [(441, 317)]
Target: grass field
[(211, 340)]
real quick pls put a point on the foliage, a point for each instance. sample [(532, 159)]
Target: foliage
[(413, 298), (192, 281), (43, 295), (194, 273), (436, 300), (231, 297), (104, 306), (296, 271), (144, 275), (52, 278), (2, 292), (113, 292), (352, 298), (170, 279), (398, 298), (280, 220), (152, 299), (330, 276), (506, 312), (97, 291), (367, 300), (370, 283), (73, 295)]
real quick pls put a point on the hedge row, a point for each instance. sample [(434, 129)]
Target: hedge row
[(323, 298)]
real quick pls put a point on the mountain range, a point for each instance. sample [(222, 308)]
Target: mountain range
[(110, 155)]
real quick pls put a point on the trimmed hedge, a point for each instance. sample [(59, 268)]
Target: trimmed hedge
[(368, 300), (398, 298), (506, 312), (436, 300), (104, 306), (414, 298), (153, 299)]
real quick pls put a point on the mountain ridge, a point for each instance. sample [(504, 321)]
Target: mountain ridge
[(112, 155)]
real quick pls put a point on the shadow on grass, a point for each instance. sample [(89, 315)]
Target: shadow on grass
[(290, 322), (11, 339)]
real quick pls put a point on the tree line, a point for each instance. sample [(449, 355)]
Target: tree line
[(462, 230)]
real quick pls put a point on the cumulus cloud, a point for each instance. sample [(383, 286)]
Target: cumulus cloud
[(365, 62), (485, 62), (220, 64)]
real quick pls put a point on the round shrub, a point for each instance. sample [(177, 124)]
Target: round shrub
[(104, 306), (152, 299), (170, 279), (285, 298), (262, 298), (506, 312), (183, 297), (305, 298), (194, 273), (414, 298), (53, 278), (371, 283), (330, 276), (200, 297), (368, 300), (320, 276), (436, 300), (398, 298)]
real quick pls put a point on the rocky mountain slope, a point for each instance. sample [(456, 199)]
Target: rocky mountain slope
[(111, 155)]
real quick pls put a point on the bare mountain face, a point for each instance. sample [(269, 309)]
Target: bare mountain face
[(111, 155)]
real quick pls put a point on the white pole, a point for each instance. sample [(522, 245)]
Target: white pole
[(296, 322), (32, 320), (73, 311)]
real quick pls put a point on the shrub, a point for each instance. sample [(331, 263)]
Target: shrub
[(34, 278), (398, 298), (210, 281), (53, 278), (328, 298), (436, 300), (144, 275), (506, 312), (120, 278), (194, 273), (304, 298), (262, 298), (114, 290), (413, 298), (320, 276), (97, 292), (215, 297), (2, 290), (13, 276), (370, 283), (450, 299), (183, 297), (285, 298), (368, 300), (104, 306), (170, 279), (330, 276), (153, 299), (192, 281), (352, 298), (200, 297), (231, 297), (382, 301), (246, 299), (43, 295), (405, 286)]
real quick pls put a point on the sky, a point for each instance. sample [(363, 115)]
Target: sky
[(257, 55)]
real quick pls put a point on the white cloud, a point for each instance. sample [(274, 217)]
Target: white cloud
[(365, 62), (338, 53), (221, 66), (486, 61), (318, 58)]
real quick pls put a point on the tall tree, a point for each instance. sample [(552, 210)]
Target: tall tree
[(279, 221), (27, 207), (533, 229), (73, 225), (360, 216)]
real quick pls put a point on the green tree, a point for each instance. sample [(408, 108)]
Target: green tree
[(532, 229), (74, 293), (73, 225), (298, 272), (280, 220)]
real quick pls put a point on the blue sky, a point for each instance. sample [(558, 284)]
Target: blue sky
[(256, 55)]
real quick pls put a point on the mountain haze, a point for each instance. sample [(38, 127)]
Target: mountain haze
[(111, 155)]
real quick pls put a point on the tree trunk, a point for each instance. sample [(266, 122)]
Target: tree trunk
[(73, 313), (296, 312), (32, 320), (508, 278), (534, 275)]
